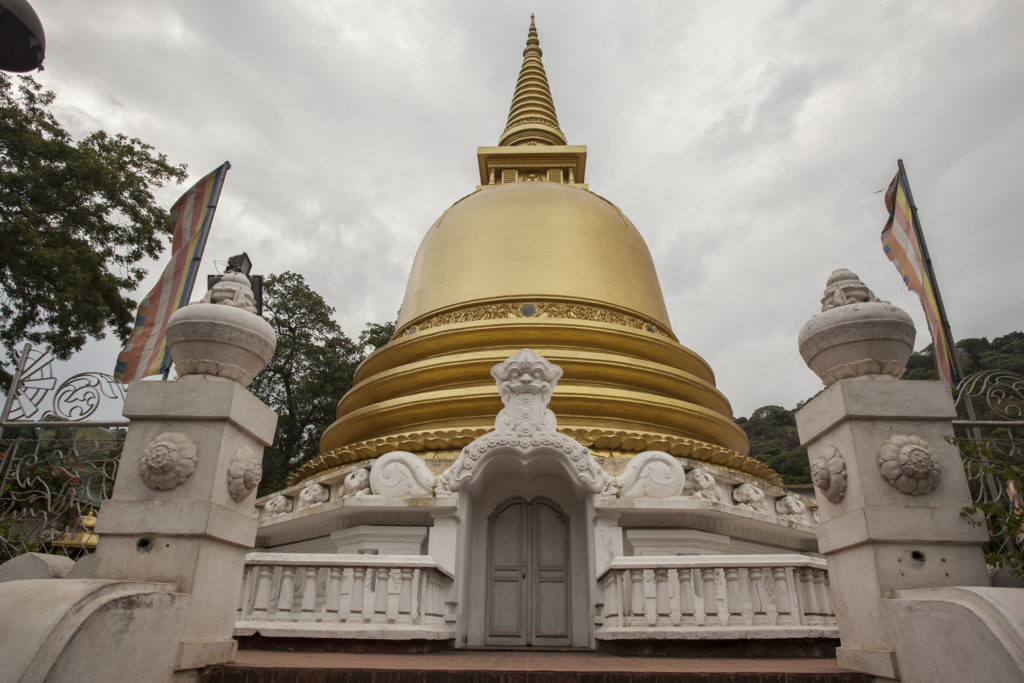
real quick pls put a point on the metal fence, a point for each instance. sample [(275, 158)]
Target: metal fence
[(991, 440), (57, 465)]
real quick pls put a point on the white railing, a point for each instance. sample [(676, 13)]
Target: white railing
[(344, 596), (701, 596)]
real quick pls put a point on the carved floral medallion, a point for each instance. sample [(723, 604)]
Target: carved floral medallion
[(907, 463), (244, 474), (828, 472), (168, 461)]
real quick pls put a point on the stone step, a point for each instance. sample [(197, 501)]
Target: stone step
[(259, 666)]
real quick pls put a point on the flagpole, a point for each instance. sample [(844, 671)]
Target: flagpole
[(948, 332)]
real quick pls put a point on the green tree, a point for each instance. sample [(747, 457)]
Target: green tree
[(75, 220), (775, 442), (310, 371)]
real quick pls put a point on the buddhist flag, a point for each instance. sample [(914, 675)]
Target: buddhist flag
[(146, 353), (903, 243)]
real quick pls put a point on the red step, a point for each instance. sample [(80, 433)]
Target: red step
[(259, 666)]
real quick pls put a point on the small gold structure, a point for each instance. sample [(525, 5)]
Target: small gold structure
[(532, 258)]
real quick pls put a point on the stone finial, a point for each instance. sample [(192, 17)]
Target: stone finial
[(221, 337), (525, 382), (845, 288), (856, 335), (233, 289)]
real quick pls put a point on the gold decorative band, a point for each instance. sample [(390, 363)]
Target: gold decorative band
[(613, 444), (535, 310)]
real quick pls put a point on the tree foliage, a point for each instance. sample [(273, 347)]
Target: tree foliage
[(75, 220), (772, 429), (310, 371)]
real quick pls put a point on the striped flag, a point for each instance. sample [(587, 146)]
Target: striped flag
[(146, 353), (904, 245)]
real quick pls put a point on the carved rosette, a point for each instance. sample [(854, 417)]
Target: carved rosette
[(401, 475), (244, 474), (828, 472), (168, 461), (277, 504), (749, 496), (313, 494), (907, 463), (652, 474)]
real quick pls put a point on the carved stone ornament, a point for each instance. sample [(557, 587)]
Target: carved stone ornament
[(701, 484), (652, 474), (856, 335), (791, 509), (221, 337), (168, 461), (357, 483), (525, 427), (277, 504), (313, 494), (907, 463), (749, 496), (244, 474), (401, 475), (828, 472)]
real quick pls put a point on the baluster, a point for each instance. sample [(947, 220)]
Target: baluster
[(243, 599), (707, 576), (380, 596), (783, 603), (821, 594), (286, 592), (808, 605), (733, 600), (405, 596), (433, 600), (332, 595), (661, 604), (758, 603), (637, 599), (686, 606), (355, 604), (262, 601), (612, 598), (309, 592)]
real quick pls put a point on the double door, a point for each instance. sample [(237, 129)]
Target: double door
[(528, 575)]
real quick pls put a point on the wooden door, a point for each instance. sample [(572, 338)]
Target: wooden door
[(528, 575)]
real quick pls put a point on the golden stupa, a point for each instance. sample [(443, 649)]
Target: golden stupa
[(532, 258)]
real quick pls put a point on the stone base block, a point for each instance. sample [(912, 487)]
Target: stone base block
[(880, 663)]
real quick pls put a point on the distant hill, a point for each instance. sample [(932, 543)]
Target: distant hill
[(772, 429)]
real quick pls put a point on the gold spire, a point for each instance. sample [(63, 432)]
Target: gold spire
[(531, 118)]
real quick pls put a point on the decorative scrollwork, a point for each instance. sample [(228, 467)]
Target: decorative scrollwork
[(51, 486), (75, 399), (1002, 391)]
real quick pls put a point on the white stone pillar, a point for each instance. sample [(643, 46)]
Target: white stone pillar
[(891, 486), (182, 509)]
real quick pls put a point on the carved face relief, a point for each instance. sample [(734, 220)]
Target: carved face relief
[(907, 463), (313, 494), (278, 504), (828, 472), (526, 373), (168, 461), (749, 497)]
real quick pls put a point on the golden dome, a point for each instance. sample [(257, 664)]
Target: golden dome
[(533, 259), (528, 240)]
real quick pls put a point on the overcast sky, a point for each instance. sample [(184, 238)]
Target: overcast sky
[(747, 141)]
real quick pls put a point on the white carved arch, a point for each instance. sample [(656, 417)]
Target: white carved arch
[(524, 430)]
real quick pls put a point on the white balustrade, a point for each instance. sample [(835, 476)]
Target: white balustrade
[(344, 596), (715, 596)]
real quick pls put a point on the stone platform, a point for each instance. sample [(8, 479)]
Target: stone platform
[(257, 666)]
